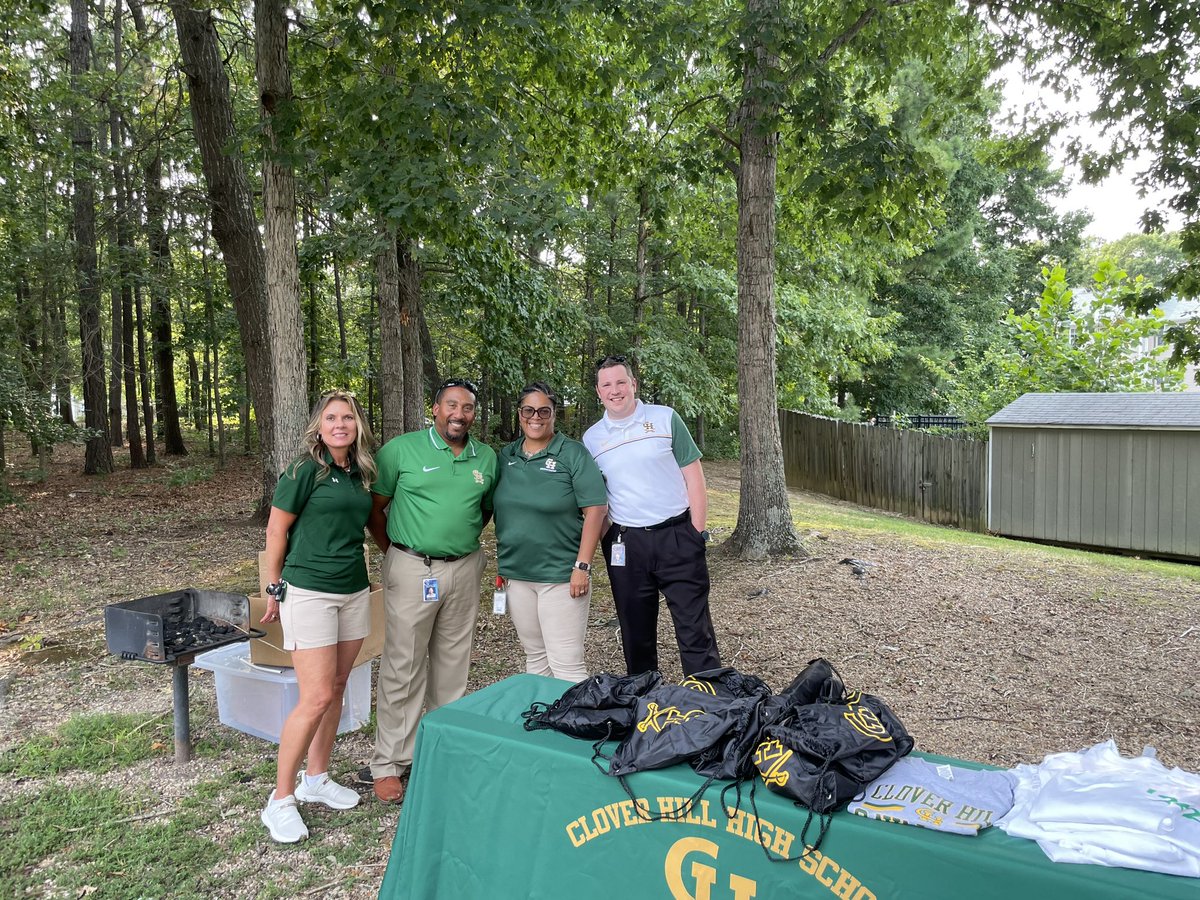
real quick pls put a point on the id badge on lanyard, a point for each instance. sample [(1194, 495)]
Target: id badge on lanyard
[(618, 551)]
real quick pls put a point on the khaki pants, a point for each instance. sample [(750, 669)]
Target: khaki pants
[(426, 649), (551, 625)]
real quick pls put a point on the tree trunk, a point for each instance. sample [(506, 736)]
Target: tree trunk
[(428, 354), (109, 146), (123, 231), (285, 320), (211, 330), (410, 336), (309, 279), (98, 453), (144, 375), (62, 378), (391, 347), (764, 525), (233, 222), (640, 267), (343, 354), (159, 243)]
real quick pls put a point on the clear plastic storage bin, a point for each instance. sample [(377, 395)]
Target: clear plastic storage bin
[(258, 699)]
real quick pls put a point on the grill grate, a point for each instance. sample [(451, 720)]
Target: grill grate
[(171, 629)]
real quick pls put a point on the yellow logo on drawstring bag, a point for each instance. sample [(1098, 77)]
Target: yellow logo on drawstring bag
[(658, 719), (863, 719), (770, 757)]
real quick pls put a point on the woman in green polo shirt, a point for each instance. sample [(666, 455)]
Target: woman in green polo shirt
[(550, 505), (320, 593)]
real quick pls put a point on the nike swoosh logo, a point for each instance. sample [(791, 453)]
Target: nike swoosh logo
[(514, 462), (430, 468)]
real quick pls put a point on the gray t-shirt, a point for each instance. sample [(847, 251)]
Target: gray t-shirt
[(936, 795)]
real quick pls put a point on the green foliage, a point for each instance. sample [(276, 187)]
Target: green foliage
[(1065, 345), (28, 411), (98, 743)]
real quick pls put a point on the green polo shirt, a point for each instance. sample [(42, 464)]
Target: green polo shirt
[(438, 498), (538, 508), (325, 543)]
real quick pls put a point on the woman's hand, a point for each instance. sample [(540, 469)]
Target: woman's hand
[(272, 613), (580, 582)]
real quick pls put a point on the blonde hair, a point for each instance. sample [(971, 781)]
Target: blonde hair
[(312, 447)]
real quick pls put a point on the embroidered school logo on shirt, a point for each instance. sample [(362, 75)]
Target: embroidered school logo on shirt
[(478, 476), (551, 465), (648, 427)]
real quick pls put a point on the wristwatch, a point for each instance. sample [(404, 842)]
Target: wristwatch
[(583, 567), (276, 588), (705, 536)]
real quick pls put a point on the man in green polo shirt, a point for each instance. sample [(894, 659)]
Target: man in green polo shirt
[(431, 500)]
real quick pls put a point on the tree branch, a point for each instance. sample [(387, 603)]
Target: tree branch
[(852, 32)]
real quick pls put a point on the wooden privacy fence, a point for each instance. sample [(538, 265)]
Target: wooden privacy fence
[(938, 479)]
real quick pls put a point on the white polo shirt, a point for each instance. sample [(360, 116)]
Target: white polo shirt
[(642, 457)]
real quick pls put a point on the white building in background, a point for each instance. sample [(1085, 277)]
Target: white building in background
[(1175, 312), (1178, 311)]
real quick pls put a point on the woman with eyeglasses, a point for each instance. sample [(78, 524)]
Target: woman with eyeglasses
[(320, 593), (550, 506)]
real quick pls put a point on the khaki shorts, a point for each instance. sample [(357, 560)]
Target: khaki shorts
[(312, 619)]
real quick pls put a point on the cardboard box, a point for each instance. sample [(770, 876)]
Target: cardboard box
[(268, 650), (258, 700)]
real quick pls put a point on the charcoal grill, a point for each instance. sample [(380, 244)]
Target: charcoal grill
[(170, 629)]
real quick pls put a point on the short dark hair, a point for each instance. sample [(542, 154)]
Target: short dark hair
[(456, 383), (538, 387), (607, 362)]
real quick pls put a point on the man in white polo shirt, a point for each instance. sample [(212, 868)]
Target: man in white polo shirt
[(658, 506)]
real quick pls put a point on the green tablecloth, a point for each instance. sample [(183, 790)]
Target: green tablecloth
[(495, 811)]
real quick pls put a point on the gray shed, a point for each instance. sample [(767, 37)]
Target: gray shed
[(1102, 470)]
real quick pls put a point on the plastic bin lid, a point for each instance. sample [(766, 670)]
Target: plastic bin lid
[(235, 660)]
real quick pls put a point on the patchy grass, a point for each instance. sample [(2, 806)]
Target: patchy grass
[(91, 744), (101, 843)]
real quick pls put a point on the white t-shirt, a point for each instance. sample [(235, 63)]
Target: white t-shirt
[(1099, 807), (642, 457)]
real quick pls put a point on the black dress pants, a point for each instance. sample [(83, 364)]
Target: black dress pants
[(671, 560)]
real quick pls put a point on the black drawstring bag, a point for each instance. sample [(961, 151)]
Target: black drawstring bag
[(599, 708), (727, 682), (818, 683), (826, 753), (675, 723), (732, 756)]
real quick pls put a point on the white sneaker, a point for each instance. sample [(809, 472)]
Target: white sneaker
[(326, 791), (282, 819)]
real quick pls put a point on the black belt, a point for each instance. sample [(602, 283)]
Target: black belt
[(665, 523), (425, 556)]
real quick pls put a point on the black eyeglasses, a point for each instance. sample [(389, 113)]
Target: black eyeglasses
[(605, 361), (459, 383), (542, 412)]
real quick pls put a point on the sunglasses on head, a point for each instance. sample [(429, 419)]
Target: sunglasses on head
[(605, 361), (459, 383)]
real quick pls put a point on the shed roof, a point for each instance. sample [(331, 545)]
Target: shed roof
[(1146, 410)]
